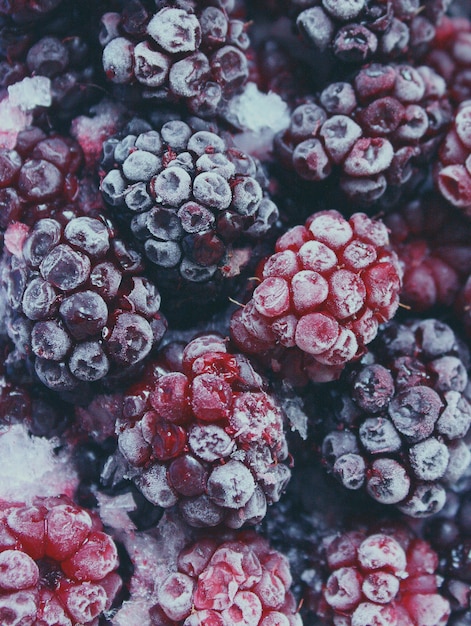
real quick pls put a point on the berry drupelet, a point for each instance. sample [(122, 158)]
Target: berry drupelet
[(235, 579), (185, 51), (194, 205), (396, 424), (321, 297), (201, 431), (375, 133), (78, 305), (57, 564), (382, 578), (432, 240)]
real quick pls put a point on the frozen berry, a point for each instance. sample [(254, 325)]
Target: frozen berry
[(321, 296), (204, 433)]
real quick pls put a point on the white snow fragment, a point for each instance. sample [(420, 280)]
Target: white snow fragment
[(31, 92), (260, 116), (32, 466), (114, 510), (135, 611), (13, 120)]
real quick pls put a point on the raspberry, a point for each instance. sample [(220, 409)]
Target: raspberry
[(77, 305), (321, 296), (204, 433), (405, 414), (379, 577), (47, 575), (236, 579), (431, 240), (192, 54), (370, 135), (194, 205)]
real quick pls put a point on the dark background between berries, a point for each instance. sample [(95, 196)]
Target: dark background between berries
[(107, 97)]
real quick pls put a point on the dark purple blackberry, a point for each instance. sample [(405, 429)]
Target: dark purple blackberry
[(199, 430), (194, 205), (359, 31), (183, 51), (397, 423), (432, 241), (41, 177), (61, 49), (77, 304), (373, 136)]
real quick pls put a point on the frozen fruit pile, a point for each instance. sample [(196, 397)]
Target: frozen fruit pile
[(235, 303)]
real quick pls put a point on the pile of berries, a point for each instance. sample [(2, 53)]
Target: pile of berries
[(235, 303)]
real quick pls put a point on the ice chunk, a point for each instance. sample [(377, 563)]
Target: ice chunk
[(33, 466), (14, 120), (259, 116), (31, 92), (114, 510)]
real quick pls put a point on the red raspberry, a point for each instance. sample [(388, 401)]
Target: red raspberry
[(57, 566), (202, 432), (322, 295), (382, 578)]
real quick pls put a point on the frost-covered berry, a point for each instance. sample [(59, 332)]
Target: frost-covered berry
[(398, 429), (194, 205), (372, 135), (57, 566), (201, 431), (431, 239), (382, 578), (321, 296), (78, 306), (195, 52), (237, 579)]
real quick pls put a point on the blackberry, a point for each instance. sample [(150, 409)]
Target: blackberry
[(399, 420), (194, 205), (356, 31), (200, 430), (382, 577), (452, 168), (233, 579), (374, 136), (57, 564), (78, 306), (60, 50), (431, 239), (321, 297), (193, 52), (449, 56), (38, 177)]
